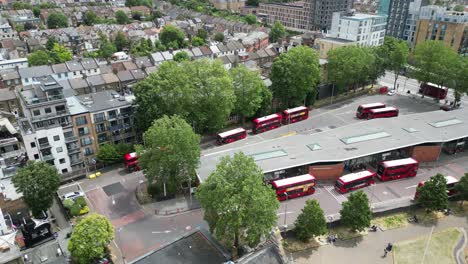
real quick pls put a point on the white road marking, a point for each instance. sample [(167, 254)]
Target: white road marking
[(338, 196), (161, 232), (412, 186), (284, 213)]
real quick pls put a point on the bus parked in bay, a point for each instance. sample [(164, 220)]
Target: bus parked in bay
[(363, 110), (131, 161), (296, 114), (433, 90), (382, 112), (294, 187), (397, 169), (231, 136), (266, 123), (451, 182), (355, 181)]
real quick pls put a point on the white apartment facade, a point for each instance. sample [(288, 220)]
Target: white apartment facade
[(364, 29)]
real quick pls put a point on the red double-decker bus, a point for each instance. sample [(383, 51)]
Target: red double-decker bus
[(294, 187), (231, 136), (354, 181), (296, 114), (451, 182), (382, 112), (363, 110), (397, 169), (265, 123), (433, 90), (131, 162)]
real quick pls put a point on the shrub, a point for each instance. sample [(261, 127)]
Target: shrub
[(81, 201), (75, 209), (68, 203)]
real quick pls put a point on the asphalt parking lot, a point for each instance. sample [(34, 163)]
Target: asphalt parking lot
[(333, 117)]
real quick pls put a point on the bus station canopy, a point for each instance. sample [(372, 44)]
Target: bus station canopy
[(348, 142)]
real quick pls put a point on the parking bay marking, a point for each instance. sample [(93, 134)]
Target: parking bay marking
[(338, 196), (412, 186)]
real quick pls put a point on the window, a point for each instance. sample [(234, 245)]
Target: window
[(59, 149), (64, 170), (56, 138), (48, 110), (36, 156), (59, 75), (62, 161), (83, 131), (33, 144), (60, 108), (36, 112), (66, 74), (81, 120), (85, 141)]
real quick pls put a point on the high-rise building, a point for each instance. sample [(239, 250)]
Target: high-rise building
[(450, 27), (402, 15), (364, 29)]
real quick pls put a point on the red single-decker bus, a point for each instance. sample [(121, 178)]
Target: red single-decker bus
[(131, 161), (382, 112), (363, 110), (231, 136), (397, 169), (354, 181), (451, 182), (294, 187), (265, 123), (433, 90), (296, 114)]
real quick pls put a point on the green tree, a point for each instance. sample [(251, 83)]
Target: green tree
[(395, 52), (39, 57), (57, 20), (295, 74), (107, 48), (121, 17), (181, 56), (355, 213), (90, 18), (376, 68), (37, 181), (433, 194), (51, 41), (197, 41), (250, 19), (19, 27), (234, 198), (462, 188), (201, 33), (311, 222), (147, 3), (459, 83), (172, 36), (199, 91), (61, 54), (108, 154), (21, 5), (121, 41), (36, 11), (459, 8), (277, 32), (219, 37), (253, 2), (90, 238), (248, 88), (172, 152)]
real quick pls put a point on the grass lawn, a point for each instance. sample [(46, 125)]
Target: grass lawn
[(391, 221), (346, 234), (292, 244), (440, 248)]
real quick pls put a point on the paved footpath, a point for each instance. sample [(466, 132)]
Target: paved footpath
[(369, 249)]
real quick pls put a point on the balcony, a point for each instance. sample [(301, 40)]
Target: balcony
[(49, 116), (73, 149), (35, 101), (13, 153), (98, 119), (118, 127), (75, 161), (9, 171), (71, 139), (44, 145), (122, 136), (47, 157)]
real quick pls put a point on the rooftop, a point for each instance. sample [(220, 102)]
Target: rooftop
[(104, 100), (377, 136), (74, 106)]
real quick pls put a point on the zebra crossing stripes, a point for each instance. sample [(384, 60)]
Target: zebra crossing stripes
[(338, 196)]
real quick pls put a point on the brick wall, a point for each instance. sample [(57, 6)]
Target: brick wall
[(425, 153), (327, 172)]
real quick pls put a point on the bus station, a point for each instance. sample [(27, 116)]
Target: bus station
[(331, 154)]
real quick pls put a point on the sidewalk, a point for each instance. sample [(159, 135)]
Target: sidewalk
[(369, 249), (177, 205)]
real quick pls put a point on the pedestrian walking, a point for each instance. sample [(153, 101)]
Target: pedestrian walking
[(385, 253)]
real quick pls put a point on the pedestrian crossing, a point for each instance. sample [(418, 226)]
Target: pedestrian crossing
[(338, 196)]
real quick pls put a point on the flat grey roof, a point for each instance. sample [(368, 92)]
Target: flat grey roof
[(333, 149), (104, 100)]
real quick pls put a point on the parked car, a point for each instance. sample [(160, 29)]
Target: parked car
[(72, 195), (391, 92)]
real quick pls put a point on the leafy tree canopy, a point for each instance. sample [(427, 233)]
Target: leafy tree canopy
[(38, 182), (172, 36), (57, 20), (147, 3), (181, 56), (462, 188), (61, 54), (121, 17), (395, 54), (90, 238), (294, 74), (51, 41), (355, 213), (39, 57), (234, 198), (121, 41), (250, 19), (219, 37), (277, 32), (197, 41), (311, 222), (90, 18), (433, 194)]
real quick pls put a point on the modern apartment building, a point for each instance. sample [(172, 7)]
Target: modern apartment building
[(45, 122), (6, 31), (111, 116), (12, 152), (402, 15), (304, 15), (233, 5), (436, 23), (365, 29)]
